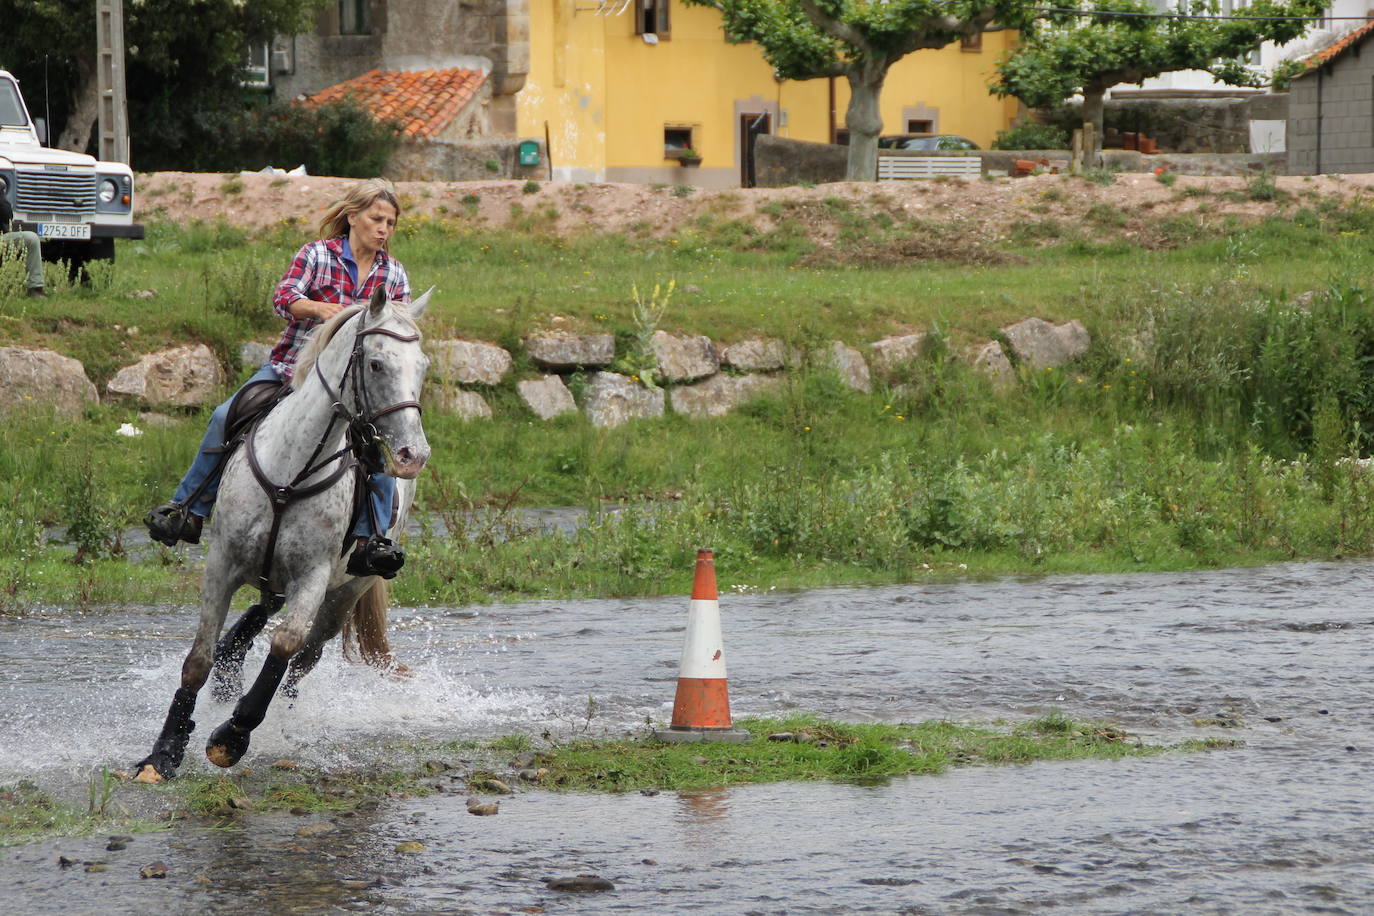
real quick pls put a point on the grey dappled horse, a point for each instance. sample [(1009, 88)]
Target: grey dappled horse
[(284, 514)]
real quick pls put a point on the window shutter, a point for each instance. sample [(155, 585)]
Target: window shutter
[(661, 23)]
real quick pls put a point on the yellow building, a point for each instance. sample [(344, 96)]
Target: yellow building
[(622, 87)]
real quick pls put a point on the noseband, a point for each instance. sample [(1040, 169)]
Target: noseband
[(363, 437)]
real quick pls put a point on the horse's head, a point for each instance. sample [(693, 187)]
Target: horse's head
[(390, 372)]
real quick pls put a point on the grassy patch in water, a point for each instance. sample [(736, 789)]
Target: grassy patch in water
[(28, 813), (818, 749)]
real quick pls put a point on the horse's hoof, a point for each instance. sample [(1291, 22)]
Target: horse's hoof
[(149, 774), (227, 745)]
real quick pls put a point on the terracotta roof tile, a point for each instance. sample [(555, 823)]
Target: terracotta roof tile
[(1339, 46), (423, 102)]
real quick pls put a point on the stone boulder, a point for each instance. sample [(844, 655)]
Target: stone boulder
[(614, 399), (565, 350), (468, 362), (547, 396), (684, 358), (30, 378), (467, 405), (848, 362), (763, 354), (180, 377), (253, 354), (1037, 344), (891, 352), (720, 394), (990, 360)]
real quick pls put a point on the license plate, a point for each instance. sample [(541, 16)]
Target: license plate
[(64, 230)]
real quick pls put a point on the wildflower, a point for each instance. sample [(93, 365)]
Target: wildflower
[(129, 430)]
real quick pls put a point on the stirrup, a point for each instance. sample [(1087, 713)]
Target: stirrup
[(171, 524), (379, 556)]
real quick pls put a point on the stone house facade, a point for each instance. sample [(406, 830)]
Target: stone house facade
[(353, 37)]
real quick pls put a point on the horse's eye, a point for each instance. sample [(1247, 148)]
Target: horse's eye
[(375, 365)]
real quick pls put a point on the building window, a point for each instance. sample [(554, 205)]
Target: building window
[(678, 141), (355, 17), (972, 42), (919, 126), (651, 18)]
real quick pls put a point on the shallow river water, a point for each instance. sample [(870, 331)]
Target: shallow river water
[(1276, 657)]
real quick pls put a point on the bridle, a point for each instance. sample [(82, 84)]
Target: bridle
[(362, 441)]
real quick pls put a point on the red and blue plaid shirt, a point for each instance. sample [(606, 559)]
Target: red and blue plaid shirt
[(319, 272)]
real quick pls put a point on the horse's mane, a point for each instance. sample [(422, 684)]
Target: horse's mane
[(322, 335)]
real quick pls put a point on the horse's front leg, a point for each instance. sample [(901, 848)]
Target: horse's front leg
[(337, 605), (233, 648), (170, 746), (229, 742)]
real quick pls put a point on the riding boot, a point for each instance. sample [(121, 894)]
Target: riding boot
[(171, 524), (377, 556)]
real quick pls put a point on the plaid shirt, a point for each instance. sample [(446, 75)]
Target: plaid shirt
[(319, 273)]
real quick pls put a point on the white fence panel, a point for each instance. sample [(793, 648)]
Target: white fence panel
[(899, 168)]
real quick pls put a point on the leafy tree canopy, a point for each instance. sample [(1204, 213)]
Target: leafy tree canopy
[(859, 40), (1068, 53), (180, 55)]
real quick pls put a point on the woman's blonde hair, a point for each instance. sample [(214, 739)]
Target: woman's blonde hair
[(359, 197)]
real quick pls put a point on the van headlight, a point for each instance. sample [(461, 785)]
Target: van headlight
[(108, 191)]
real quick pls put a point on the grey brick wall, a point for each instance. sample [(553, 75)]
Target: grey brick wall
[(1331, 118)]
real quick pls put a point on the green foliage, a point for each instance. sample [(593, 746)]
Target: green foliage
[(1065, 53), (802, 40), (807, 748), (337, 138), (178, 66), (530, 187), (1032, 136)]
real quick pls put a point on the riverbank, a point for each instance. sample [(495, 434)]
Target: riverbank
[(1219, 417)]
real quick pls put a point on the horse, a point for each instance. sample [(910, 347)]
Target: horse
[(283, 519)]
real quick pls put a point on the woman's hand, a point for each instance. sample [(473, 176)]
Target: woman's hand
[(310, 308)]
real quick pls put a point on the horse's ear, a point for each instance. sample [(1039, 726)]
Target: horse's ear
[(417, 306), (374, 307)]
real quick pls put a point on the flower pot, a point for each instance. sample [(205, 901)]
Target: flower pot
[(689, 161)]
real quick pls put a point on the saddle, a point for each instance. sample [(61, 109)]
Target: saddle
[(252, 401)]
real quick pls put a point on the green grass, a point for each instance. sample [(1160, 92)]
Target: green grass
[(820, 749), (1206, 426)]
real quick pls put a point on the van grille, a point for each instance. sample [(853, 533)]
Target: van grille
[(55, 192)]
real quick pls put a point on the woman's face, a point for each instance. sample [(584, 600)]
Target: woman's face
[(372, 227)]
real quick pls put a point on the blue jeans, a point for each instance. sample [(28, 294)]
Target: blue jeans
[(33, 254), (208, 465)]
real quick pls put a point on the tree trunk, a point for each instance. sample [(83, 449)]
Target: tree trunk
[(1092, 113), (864, 121), (84, 108)]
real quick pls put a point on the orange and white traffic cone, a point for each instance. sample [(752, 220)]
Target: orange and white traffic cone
[(701, 709)]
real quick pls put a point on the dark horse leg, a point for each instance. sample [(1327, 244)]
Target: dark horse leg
[(337, 605), (229, 742), (233, 648), (170, 746)]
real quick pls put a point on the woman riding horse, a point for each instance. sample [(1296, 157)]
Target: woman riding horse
[(346, 266)]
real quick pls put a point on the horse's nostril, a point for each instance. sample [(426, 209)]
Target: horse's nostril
[(406, 455)]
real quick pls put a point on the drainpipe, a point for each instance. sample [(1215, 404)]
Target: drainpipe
[(831, 83), (1321, 72)]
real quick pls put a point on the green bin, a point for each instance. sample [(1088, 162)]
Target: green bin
[(529, 152)]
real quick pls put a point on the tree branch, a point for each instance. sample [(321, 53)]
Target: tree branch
[(840, 31)]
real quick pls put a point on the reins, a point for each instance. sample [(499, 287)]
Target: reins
[(363, 446)]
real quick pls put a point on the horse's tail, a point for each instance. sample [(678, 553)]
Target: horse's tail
[(365, 625)]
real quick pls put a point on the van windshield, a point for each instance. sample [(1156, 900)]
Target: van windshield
[(11, 109)]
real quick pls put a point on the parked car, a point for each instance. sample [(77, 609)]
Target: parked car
[(925, 141)]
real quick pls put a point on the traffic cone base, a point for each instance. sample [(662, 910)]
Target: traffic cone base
[(701, 709)]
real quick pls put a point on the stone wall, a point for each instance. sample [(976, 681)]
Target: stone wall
[(691, 374), (782, 161), (466, 160)]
